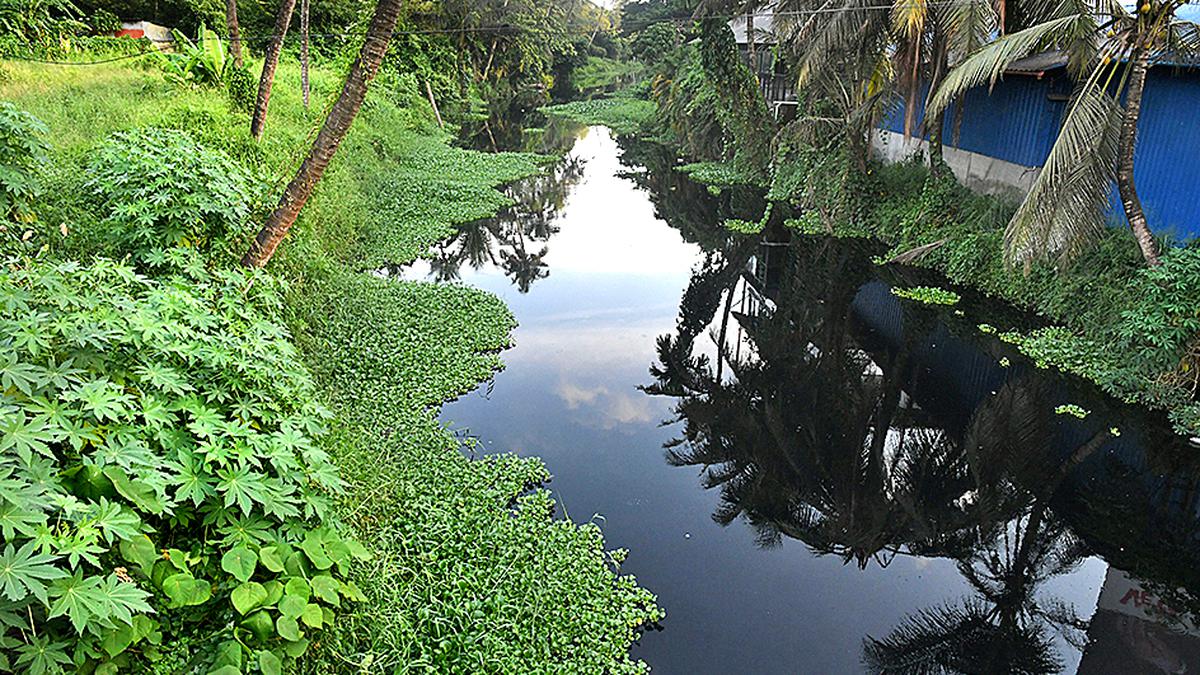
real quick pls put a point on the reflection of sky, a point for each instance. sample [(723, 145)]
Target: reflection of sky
[(569, 395)]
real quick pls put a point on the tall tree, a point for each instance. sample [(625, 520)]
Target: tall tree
[(337, 124), (1110, 53), (270, 61), (235, 32)]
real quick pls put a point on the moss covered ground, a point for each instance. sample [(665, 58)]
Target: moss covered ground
[(471, 570)]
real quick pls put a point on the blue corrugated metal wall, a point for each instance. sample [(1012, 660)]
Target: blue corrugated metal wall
[(1018, 122), (1167, 163)]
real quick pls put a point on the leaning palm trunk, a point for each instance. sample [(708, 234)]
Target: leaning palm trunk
[(235, 32), (304, 88), (270, 61), (1125, 183), (338, 122)]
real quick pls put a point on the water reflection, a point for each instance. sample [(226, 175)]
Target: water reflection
[(516, 240), (884, 485), (816, 425)]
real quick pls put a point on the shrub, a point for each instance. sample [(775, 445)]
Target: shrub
[(655, 42), (160, 491), (242, 88), (199, 62), (159, 188), (104, 22), (23, 153)]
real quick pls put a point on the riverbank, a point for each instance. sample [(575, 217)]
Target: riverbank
[(1109, 319), (470, 570)]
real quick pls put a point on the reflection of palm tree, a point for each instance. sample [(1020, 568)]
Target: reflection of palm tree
[(812, 438), (502, 241), (803, 442), (1005, 628)]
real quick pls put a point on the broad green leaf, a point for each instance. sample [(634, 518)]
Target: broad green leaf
[(260, 624), (185, 590), (288, 629), (312, 615), (292, 606), (314, 548), (136, 491), (270, 559), (295, 648), (140, 551), (298, 587), (248, 596), (274, 592), (269, 663), (239, 562), (326, 588), (351, 591)]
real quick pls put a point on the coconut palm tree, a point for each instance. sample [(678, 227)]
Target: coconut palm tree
[(235, 32), (1109, 52), (334, 130), (283, 18)]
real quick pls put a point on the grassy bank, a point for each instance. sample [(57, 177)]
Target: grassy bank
[(470, 572)]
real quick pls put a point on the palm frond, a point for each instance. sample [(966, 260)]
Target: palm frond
[(989, 63), (908, 18), (966, 25), (1065, 208)]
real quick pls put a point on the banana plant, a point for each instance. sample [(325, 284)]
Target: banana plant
[(199, 62)]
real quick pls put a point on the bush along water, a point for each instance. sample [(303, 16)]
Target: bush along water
[(164, 498), (159, 476), (1133, 331)]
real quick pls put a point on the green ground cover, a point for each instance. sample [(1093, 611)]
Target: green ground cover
[(469, 570), (622, 114)]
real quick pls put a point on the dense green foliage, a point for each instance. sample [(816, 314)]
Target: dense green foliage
[(199, 62), (176, 409), (742, 110), (624, 115), (1130, 329), (465, 557), (654, 42), (158, 189), (23, 154)]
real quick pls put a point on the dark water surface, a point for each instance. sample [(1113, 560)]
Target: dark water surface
[(847, 468)]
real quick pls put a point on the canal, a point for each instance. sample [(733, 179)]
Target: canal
[(813, 475)]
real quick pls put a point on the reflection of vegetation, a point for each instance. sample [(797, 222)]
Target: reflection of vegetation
[(820, 438), (515, 240), (516, 132)]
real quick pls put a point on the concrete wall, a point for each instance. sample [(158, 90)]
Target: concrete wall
[(981, 173)]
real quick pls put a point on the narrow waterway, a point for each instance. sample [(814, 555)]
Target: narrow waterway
[(849, 476)]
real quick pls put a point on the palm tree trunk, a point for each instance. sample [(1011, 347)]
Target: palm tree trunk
[(270, 61), (338, 122), (304, 88), (936, 124), (235, 32), (1125, 184), (751, 51)]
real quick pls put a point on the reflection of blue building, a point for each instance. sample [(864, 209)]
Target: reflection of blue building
[(1006, 134)]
